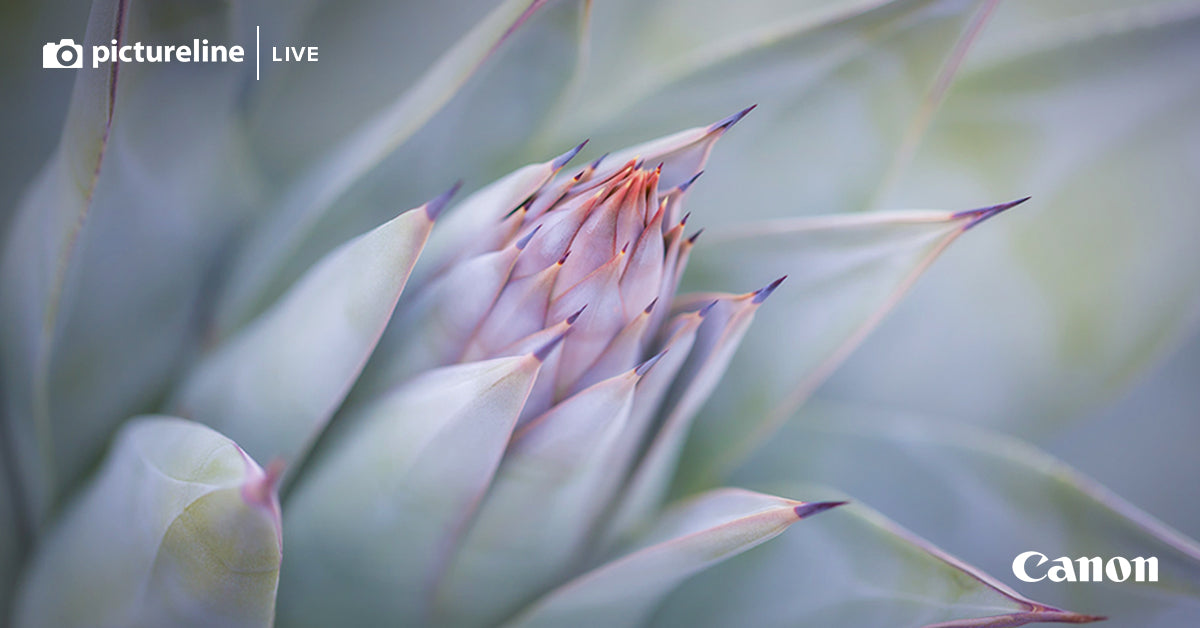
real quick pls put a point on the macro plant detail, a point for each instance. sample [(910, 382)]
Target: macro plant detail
[(240, 389)]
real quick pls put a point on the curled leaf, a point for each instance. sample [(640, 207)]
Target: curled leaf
[(203, 547)]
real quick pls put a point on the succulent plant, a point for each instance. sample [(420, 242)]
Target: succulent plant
[(244, 384)]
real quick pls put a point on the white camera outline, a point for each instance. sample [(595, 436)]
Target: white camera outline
[(52, 54)]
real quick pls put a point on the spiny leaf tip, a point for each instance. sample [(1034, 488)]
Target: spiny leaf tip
[(761, 294), (728, 122), (434, 208), (809, 509), (566, 157), (976, 216), (645, 367)]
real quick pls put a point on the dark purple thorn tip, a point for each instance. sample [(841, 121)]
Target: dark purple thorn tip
[(645, 367), (761, 294), (562, 159), (683, 221), (625, 249), (811, 508), (683, 187), (976, 216), (563, 260), (596, 164), (708, 308), (574, 317), (521, 244), (650, 308), (541, 354), (692, 239), (731, 120), (434, 208)]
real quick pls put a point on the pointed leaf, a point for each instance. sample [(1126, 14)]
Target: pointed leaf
[(844, 274), (373, 522), (180, 528), (725, 322), (540, 509), (987, 498), (434, 327), (1079, 298), (853, 569), (687, 539), (276, 384)]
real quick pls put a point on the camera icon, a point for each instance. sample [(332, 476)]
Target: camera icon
[(64, 54)]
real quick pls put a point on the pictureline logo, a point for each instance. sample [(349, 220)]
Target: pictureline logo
[(68, 54)]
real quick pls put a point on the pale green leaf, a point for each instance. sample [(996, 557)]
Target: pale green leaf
[(33, 116), (845, 272), (129, 287), (274, 386), (258, 272), (852, 569), (179, 528), (372, 523), (40, 259), (541, 507), (1070, 301), (725, 321), (688, 538), (987, 498)]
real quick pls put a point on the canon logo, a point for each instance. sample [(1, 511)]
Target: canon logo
[(1094, 569)]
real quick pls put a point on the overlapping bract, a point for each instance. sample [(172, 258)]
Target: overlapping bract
[(490, 442)]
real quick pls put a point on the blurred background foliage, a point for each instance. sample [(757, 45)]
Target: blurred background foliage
[(1069, 325)]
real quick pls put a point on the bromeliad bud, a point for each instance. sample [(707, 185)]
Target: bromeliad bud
[(526, 408)]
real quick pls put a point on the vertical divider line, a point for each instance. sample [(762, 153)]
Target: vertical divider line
[(257, 52)]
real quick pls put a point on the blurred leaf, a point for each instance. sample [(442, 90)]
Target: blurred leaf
[(855, 568), (39, 261), (1052, 313), (372, 49), (836, 82), (987, 498), (155, 214), (688, 538), (372, 523), (1144, 445), (275, 385), (203, 548), (11, 539), (844, 273), (255, 278), (34, 102)]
